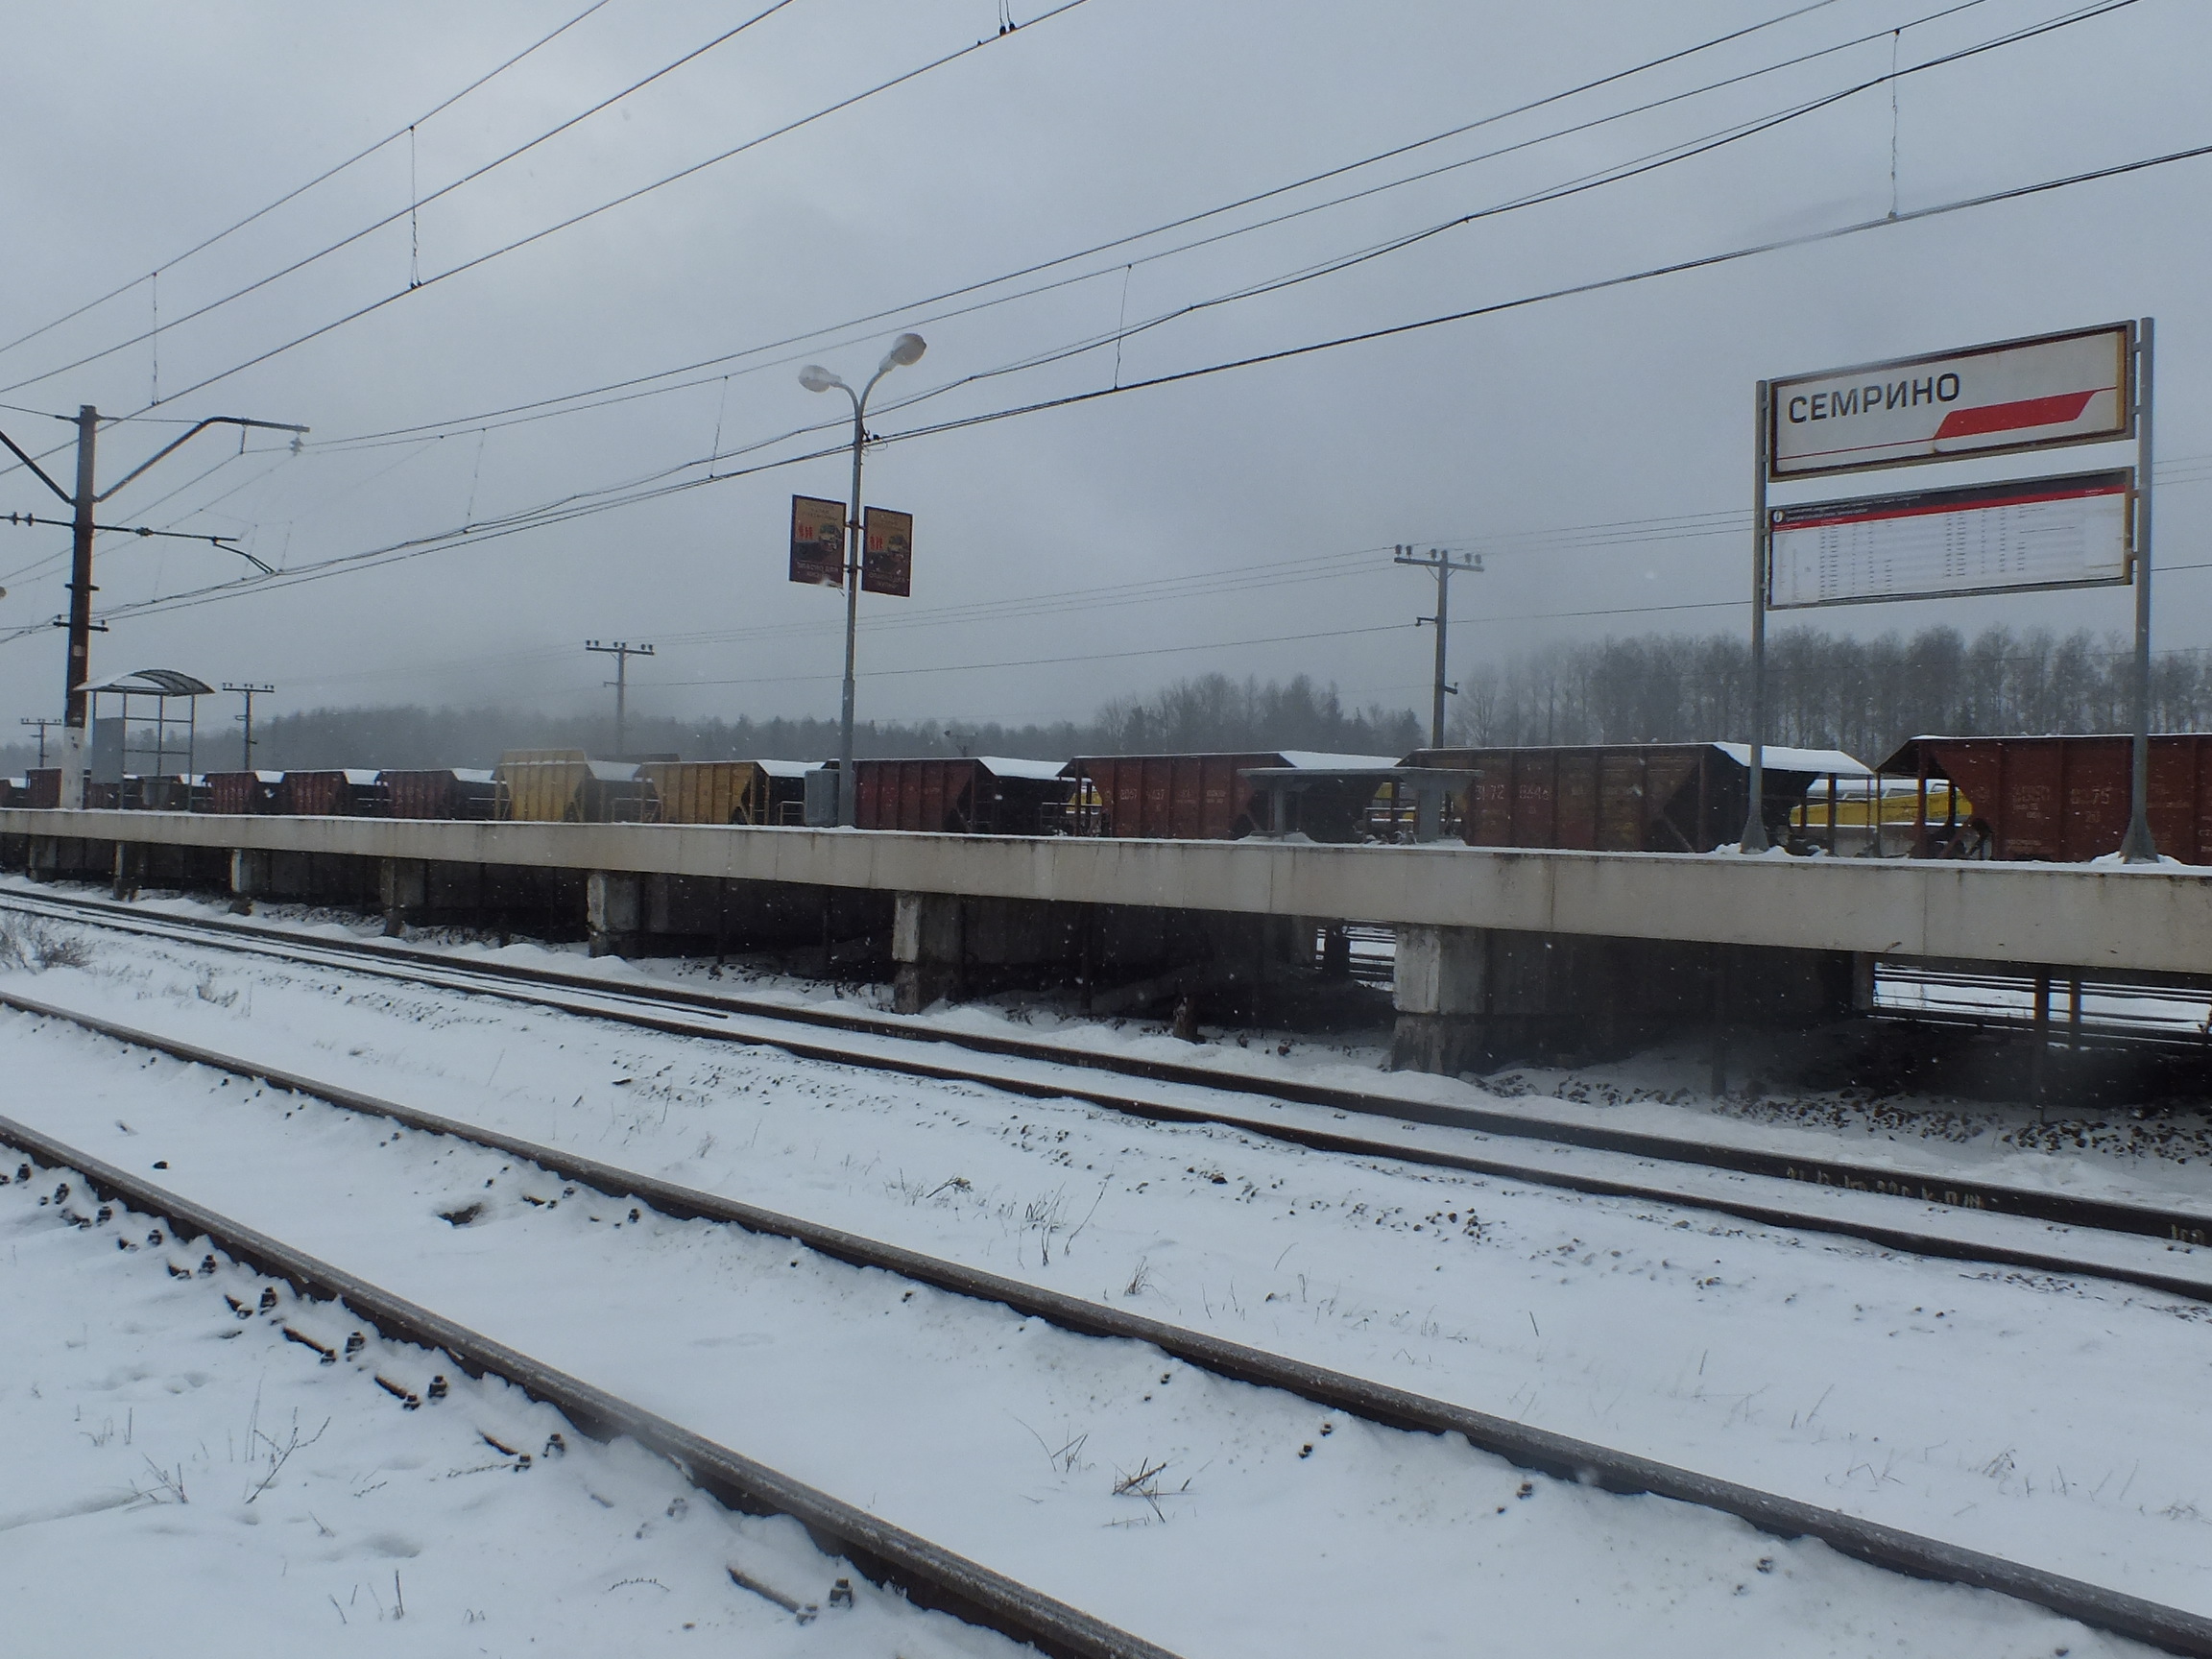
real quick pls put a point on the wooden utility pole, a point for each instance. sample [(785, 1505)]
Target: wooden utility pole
[(1442, 563), (248, 692), (621, 650)]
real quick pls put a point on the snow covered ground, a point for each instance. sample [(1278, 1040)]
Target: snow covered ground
[(2051, 1422), (179, 1479), (1215, 1518)]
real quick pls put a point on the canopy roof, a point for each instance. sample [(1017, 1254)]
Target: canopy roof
[(152, 683)]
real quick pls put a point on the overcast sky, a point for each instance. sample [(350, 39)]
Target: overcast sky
[(1596, 448)]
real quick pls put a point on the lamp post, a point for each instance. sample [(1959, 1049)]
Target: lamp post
[(906, 349)]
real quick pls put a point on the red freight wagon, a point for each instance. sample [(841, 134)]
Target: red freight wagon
[(440, 792), (42, 786), (2062, 799), (242, 792), (1207, 798), (334, 794), (1631, 796), (985, 795)]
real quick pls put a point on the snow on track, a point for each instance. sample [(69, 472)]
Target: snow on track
[(181, 1480), (1974, 1405), (1213, 1517)]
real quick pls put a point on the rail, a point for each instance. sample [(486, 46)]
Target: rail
[(977, 1593), (927, 1574)]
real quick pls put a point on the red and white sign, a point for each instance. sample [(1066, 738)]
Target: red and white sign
[(2070, 531), (2016, 395)]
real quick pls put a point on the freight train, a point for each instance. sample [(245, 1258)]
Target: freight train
[(2057, 799)]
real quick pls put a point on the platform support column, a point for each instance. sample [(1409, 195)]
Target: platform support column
[(129, 869), (250, 879), (928, 942), (1442, 995), (614, 911), (404, 888)]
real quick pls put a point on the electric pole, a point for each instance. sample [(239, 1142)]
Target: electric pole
[(621, 650), (248, 692), (1442, 563), (82, 500), (41, 722)]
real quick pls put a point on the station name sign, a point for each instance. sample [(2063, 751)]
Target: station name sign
[(2016, 395)]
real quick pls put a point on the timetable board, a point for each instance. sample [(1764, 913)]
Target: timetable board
[(2066, 532)]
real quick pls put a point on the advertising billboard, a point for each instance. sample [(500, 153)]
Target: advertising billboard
[(817, 541), (887, 553)]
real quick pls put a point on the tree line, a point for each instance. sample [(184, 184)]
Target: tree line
[(1828, 691), (1210, 711), (1823, 691)]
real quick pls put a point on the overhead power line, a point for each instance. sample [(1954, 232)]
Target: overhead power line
[(322, 178), (415, 204), (573, 220), (630, 387), (567, 509)]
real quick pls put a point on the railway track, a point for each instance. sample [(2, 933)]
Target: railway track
[(926, 1572), (936, 1576), (1200, 1094)]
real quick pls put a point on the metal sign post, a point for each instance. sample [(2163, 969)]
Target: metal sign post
[(2137, 846), (905, 349), (1755, 818), (2079, 530)]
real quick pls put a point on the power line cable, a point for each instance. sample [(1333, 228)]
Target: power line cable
[(589, 213), (414, 207), (571, 507), (908, 308), (1667, 156), (301, 190)]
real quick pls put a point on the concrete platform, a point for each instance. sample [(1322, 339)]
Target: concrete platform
[(2100, 918)]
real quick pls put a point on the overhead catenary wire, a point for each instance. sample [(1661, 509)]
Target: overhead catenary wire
[(417, 546), (628, 389), (1963, 5), (1668, 157), (415, 202), (518, 242), (299, 190)]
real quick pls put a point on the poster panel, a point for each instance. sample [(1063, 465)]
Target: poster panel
[(887, 553), (817, 541)]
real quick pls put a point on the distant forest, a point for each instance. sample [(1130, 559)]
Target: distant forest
[(1211, 711), (1866, 696), (1823, 691)]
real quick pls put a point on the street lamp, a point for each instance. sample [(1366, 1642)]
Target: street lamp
[(906, 349)]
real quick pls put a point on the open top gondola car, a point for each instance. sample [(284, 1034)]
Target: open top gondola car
[(1206, 797), (439, 793), (237, 793), (2061, 800), (347, 793), (1631, 796), (966, 795)]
